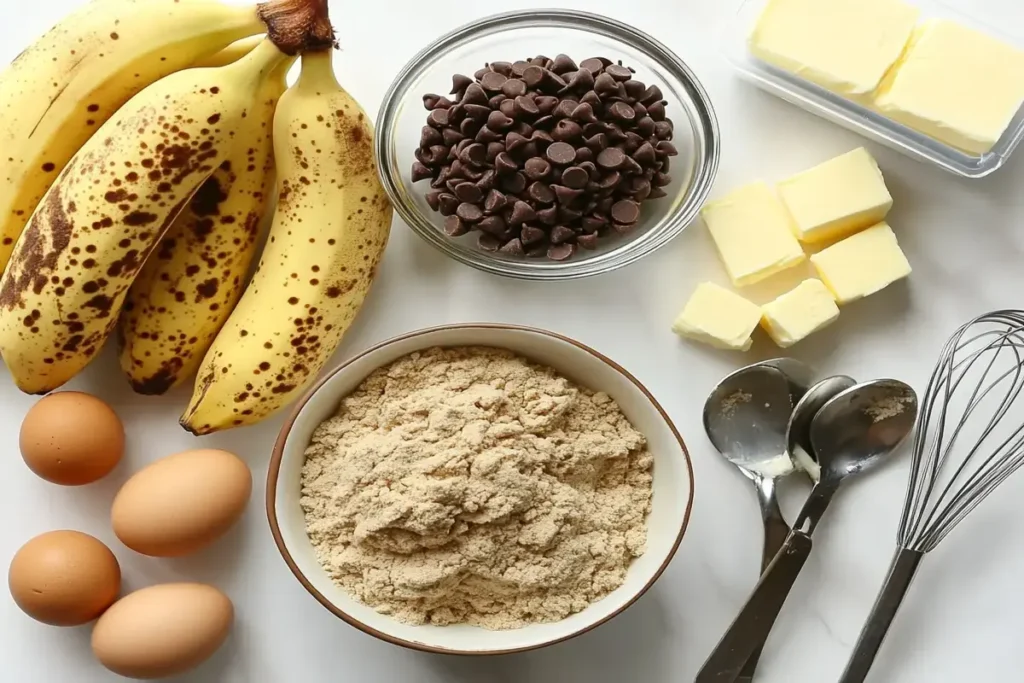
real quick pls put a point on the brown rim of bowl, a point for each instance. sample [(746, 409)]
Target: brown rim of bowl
[(275, 469)]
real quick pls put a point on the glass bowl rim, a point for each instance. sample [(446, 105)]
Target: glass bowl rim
[(669, 227)]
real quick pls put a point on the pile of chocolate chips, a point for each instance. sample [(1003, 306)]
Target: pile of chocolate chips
[(542, 156)]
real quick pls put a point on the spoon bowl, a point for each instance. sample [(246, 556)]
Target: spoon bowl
[(862, 425)]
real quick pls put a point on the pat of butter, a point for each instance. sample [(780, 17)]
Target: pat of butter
[(837, 197), (753, 233), (718, 317), (955, 84), (843, 45), (862, 264), (799, 313)]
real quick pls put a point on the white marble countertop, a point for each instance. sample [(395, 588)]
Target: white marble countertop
[(965, 239)]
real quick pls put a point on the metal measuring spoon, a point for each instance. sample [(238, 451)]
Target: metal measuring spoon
[(853, 431), (798, 435), (746, 417)]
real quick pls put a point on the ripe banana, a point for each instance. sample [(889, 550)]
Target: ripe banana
[(59, 91), (190, 285), (95, 227), (329, 233)]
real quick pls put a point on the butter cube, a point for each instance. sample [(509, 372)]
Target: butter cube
[(798, 313), (843, 45), (754, 234), (718, 317), (862, 264), (955, 84), (837, 197)]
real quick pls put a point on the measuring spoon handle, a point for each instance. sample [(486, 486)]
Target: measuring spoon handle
[(752, 625)]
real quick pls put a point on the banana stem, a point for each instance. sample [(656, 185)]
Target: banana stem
[(318, 71), (298, 26)]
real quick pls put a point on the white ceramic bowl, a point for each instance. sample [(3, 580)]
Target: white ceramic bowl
[(672, 500)]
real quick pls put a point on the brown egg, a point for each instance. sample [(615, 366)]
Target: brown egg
[(64, 578), (181, 503), (71, 438), (162, 630)]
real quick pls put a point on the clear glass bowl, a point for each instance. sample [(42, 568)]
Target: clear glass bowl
[(518, 35), (861, 119)]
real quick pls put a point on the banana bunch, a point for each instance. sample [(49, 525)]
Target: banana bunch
[(142, 140)]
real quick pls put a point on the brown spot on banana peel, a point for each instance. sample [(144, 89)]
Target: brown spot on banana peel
[(35, 257)]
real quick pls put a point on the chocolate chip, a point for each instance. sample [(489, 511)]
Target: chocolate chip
[(448, 203), (532, 235), (660, 180), (625, 211), (548, 216), (593, 99), (537, 168), (454, 227), (469, 127), (495, 101), (619, 72), (513, 247), (488, 242), (597, 142), (575, 177), (666, 149), (634, 89), (477, 112), (470, 213), (624, 228), (494, 201), (486, 135), (508, 108), (474, 154), (513, 87), (438, 118), (451, 137), (611, 158), (656, 111), (606, 85), (565, 109), (524, 106), (521, 213), (584, 113), (622, 111), (561, 234), (657, 193), (430, 101), (563, 64), (551, 82), (460, 83), (561, 252), (514, 141), (533, 75), (651, 95), (542, 137), (495, 225), (430, 136), (567, 131), (486, 181), (629, 165), (544, 122), (474, 94), (581, 81), (529, 150), (584, 154), (433, 198), (519, 68), (639, 109), (593, 224), (493, 150), (593, 65), (504, 164), (610, 181), (588, 241), (493, 81), (420, 172), (468, 193), (561, 153), (663, 129), (541, 193)]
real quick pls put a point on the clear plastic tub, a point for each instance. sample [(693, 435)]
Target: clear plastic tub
[(861, 119)]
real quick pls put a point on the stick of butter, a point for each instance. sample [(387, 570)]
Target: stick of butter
[(955, 84), (837, 197), (754, 234), (862, 264), (843, 45), (799, 313), (718, 317)]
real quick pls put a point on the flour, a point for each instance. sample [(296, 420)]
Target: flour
[(471, 486)]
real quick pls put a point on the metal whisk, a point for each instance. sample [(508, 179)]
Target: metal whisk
[(970, 439)]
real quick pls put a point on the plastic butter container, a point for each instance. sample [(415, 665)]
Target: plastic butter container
[(860, 118)]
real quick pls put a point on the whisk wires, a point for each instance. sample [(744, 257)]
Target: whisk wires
[(971, 432)]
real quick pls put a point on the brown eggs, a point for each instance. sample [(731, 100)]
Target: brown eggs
[(64, 578), (71, 438), (162, 630), (181, 503)]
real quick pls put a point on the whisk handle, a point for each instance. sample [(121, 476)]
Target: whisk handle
[(752, 625), (901, 573)]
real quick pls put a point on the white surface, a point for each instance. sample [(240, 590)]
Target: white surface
[(672, 489), (965, 239)]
